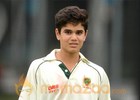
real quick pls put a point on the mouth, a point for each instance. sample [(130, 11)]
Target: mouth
[(73, 45)]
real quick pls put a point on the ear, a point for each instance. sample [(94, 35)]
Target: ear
[(85, 35), (57, 34)]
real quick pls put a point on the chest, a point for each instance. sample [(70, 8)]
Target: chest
[(59, 76)]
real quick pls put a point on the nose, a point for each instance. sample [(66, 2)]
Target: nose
[(74, 36)]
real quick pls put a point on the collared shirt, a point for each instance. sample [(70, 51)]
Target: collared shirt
[(49, 79)]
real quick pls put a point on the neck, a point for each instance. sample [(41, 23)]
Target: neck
[(69, 59), (64, 56)]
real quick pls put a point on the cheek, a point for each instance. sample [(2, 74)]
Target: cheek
[(66, 38), (82, 39), (81, 42)]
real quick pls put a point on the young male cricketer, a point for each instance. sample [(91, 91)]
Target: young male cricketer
[(65, 74)]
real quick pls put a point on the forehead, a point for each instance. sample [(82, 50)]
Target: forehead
[(73, 26)]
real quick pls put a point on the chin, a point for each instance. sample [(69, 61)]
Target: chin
[(73, 50)]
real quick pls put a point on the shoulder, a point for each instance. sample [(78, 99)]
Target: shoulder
[(36, 63), (96, 67), (99, 69)]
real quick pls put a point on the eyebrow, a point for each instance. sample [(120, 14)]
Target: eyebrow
[(71, 30), (67, 30), (79, 30)]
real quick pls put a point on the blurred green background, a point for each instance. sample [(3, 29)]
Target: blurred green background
[(27, 33)]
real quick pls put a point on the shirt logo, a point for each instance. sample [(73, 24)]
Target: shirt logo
[(86, 82), (53, 88)]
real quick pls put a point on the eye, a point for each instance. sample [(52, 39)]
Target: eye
[(68, 32), (79, 32)]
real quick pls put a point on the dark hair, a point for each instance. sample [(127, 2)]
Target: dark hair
[(71, 14)]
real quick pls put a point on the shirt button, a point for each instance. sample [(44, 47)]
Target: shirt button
[(66, 70)]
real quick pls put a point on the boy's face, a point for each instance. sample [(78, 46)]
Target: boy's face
[(71, 37)]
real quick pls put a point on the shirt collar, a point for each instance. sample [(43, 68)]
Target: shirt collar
[(51, 56)]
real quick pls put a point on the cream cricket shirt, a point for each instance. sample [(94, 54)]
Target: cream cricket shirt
[(49, 79)]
